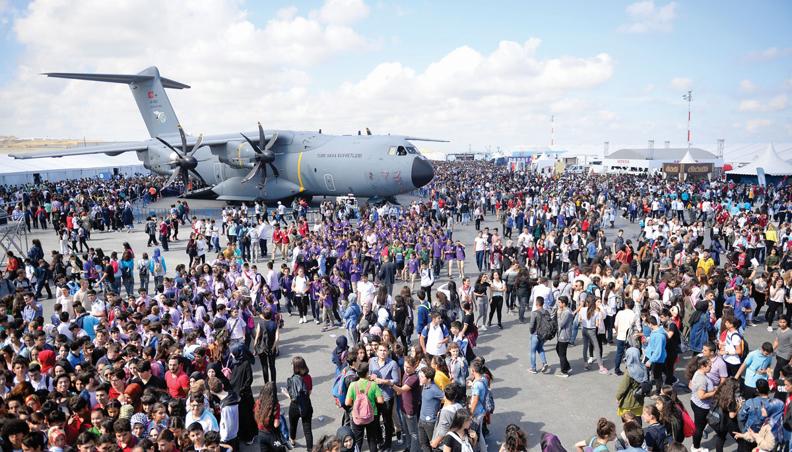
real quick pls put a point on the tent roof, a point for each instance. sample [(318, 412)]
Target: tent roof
[(661, 154), (688, 158), (770, 161)]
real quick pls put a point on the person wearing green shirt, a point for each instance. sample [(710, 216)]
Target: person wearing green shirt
[(365, 384)]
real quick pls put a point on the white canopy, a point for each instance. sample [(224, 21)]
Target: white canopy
[(769, 161), (688, 158)]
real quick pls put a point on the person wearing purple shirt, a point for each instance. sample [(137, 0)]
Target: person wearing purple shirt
[(437, 259)]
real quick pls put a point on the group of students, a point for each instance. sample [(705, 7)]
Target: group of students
[(122, 366)]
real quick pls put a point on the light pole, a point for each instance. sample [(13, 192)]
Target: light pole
[(689, 98)]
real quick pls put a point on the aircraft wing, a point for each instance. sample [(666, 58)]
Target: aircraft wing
[(426, 139), (109, 149)]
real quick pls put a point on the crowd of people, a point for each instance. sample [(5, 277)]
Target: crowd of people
[(141, 355)]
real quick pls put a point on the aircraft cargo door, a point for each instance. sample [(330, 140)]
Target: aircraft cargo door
[(329, 182)]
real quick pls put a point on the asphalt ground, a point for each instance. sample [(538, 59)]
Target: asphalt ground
[(567, 407)]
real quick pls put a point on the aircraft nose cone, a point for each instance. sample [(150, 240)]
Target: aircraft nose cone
[(422, 172)]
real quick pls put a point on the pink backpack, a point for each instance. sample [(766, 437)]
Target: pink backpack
[(362, 411)]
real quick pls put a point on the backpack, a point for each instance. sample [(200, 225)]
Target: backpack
[(744, 353), (362, 411), (464, 446), (158, 267), (341, 385), (688, 426), (548, 326), (298, 392), (489, 402)]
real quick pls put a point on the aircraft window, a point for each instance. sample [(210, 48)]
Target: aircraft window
[(401, 150), (411, 150), (392, 150)]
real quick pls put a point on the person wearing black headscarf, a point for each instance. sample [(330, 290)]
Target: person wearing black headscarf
[(339, 353), (242, 381)]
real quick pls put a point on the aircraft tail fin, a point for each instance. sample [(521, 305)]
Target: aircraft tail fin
[(148, 89)]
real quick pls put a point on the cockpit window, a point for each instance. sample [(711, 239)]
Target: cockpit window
[(411, 150), (401, 150), (392, 150)]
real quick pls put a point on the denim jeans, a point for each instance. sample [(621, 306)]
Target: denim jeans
[(590, 340), (480, 260), (575, 329), (537, 346), (410, 433), (620, 346), (482, 443), (523, 301)]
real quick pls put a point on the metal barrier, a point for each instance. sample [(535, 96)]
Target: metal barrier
[(14, 237)]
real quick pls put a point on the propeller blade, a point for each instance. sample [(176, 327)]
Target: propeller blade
[(196, 145), (198, 176), (170, 147), (252, 173), (274, 170), (183, 139), (172, 178), (252, 144), (271, 142), (261, 134)]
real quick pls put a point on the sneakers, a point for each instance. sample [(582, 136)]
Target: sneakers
[(562, 375), (770, 329), (545, 369), (591, 360), (587, 367), (533, 371), (317, 322), (603, 371)]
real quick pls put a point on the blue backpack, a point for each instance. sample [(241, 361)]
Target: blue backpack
[(341, 384)]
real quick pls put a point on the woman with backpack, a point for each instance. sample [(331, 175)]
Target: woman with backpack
[(298, 389), (460, 437)]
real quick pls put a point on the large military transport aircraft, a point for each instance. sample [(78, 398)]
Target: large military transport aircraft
[(264, 165)]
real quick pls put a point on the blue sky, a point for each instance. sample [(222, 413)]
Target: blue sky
[(735, 56)]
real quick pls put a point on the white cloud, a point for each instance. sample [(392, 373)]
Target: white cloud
[(753, 125), (770, 53), (747, 86), (241, 72), (343, 11), (776, 103), (645, 17), (232, 63), (681, 83)]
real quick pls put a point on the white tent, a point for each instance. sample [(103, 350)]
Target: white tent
[(688, 158), (769, 161)]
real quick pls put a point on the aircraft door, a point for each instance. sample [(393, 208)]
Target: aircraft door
[(329, 182)]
